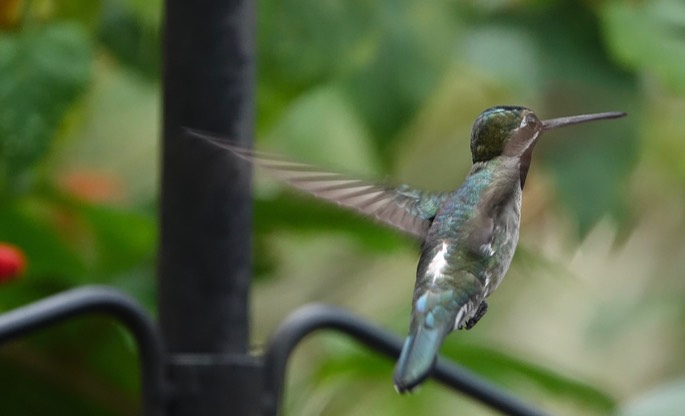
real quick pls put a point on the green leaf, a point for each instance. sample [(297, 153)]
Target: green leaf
[(590, 164), (29, 225), (591, 167), (387, 56), (323, 126), (345, 359), (94, 375), (149, 11), (44, 70), (132, 40), (306, 214), (85, 12), (510, 370), (648, 35), (487, 46), (40, 380), (330, 38), (124, 238)]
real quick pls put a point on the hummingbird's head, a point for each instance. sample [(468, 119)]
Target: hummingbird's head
[(513, 131), (504, 130)]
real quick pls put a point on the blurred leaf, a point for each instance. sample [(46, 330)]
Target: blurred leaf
[(664, 400), (44, 70), (48, 255), (296, 45), (55, 398), (649, 35), (510, 370), (149, 11), (386, 56), (413, 47), (345, 359), (486, 47), (666, 147), (592, 166), (69, 243), (348, 358), (572, 49), (304, 42), (93, 375), (10, 12), (85, 12), (131, 39), (124, 238), (303, 214), (324, 127)]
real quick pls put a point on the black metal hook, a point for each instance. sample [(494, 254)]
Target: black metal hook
[(310, 318), (297, 326), (99, 299)]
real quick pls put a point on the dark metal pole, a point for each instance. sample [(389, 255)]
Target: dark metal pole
[(96, 299), (204, 254)]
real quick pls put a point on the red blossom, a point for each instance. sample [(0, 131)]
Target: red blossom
[(12, 262)]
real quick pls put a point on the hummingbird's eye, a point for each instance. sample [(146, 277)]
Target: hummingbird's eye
[(529, 121)]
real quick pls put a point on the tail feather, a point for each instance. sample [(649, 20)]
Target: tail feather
[(417, 358)]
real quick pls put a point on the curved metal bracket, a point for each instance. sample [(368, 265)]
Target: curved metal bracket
[(297, 326), (99, 299), (311, 318)]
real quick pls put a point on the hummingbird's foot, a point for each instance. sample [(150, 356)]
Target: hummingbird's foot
[(471, 322)]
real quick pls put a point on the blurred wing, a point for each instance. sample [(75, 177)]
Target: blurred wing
[(403, 208)]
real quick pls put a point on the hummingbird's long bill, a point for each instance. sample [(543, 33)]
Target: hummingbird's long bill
[(567, 121)]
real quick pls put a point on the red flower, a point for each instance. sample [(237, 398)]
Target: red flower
[(12, 262), (93, 186)]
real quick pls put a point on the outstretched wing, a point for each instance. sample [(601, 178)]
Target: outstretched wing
[(402, 207)]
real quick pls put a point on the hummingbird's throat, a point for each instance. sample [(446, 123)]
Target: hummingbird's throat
[(521, 143), (524, 164)]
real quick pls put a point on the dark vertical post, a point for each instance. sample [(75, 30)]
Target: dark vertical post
[(204, 266)]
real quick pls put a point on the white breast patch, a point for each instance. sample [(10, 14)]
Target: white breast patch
[(438, 264)]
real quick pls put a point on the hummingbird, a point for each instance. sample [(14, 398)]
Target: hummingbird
[(468, 236)]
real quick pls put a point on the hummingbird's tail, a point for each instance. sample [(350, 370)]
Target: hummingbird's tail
[(418, 357)]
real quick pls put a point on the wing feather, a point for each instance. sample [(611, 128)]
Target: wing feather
[(403, 208)]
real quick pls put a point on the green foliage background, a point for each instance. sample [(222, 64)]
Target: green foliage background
[(589, 318)]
